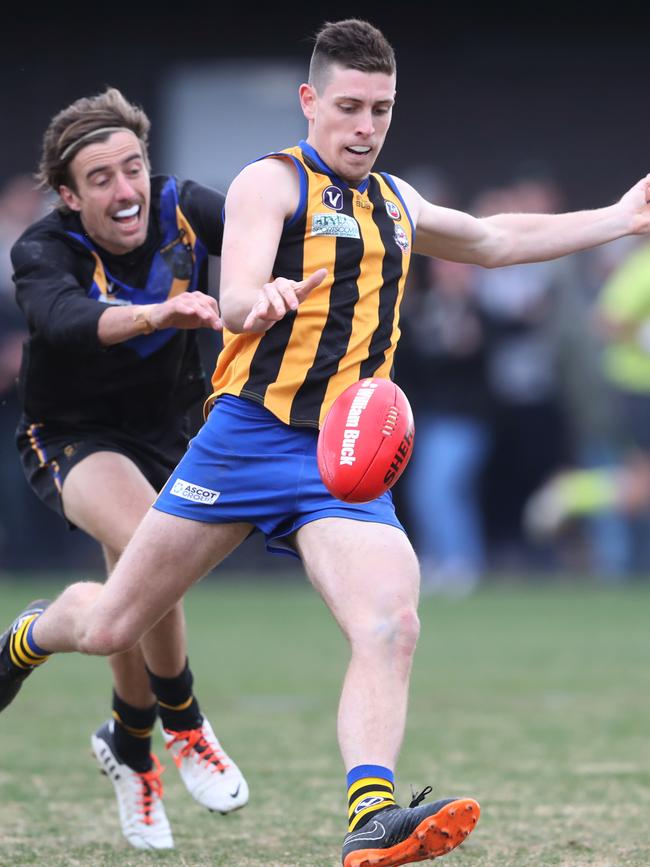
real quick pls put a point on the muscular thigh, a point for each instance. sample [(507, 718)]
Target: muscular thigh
[(107, 495), (361, 569), (165, 556)]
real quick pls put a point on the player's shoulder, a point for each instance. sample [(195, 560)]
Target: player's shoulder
[(406, 192), (271, 181), (275, 166), (49, 233)]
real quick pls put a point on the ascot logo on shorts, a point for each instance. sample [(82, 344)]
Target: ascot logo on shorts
[(194, 493), (333, 198)]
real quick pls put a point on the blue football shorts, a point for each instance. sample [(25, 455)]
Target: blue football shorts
[(247, 466)]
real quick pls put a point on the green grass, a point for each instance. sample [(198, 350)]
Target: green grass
[(533, 699)]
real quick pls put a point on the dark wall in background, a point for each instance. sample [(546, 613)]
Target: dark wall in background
[(483, 89)]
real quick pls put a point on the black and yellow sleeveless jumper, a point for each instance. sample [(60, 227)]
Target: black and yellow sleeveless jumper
[(348, 327)]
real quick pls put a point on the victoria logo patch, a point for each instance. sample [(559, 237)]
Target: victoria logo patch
[(194, 493), (333, 198)]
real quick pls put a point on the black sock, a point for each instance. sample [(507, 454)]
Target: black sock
[(132, 733), (178, 709)]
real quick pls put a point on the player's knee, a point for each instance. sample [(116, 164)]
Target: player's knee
[(396, 633), (105, 639), (407, 630), (104, 635)]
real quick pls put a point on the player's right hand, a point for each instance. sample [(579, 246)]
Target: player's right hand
[(279, 297), (187, 310)]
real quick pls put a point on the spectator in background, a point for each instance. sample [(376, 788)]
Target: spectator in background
[(524, 311), (441, 366), (622, 317)]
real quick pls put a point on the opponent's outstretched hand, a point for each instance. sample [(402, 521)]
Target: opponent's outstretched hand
[(278, 297), (637, 203), (187, 310)]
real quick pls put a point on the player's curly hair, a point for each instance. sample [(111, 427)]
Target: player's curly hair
[(353, 44), (87, 120)]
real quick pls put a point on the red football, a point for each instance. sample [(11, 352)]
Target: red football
[(366, 440)]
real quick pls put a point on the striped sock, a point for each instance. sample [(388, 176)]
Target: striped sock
[(132, 733), (24, 652), (178, 708), (370, 788)]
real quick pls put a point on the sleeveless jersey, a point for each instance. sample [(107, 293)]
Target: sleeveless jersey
[(348, 327)]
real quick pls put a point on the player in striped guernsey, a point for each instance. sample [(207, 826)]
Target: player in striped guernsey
[(109, 284), (315, 255)]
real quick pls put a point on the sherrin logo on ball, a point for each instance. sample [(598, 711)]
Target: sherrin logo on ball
[(366, 440)]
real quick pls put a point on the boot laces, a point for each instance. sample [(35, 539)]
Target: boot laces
[(194, 741), (151, 788), (416, 800)]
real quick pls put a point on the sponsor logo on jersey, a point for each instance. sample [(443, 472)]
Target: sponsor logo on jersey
[(392, 210), (337, 225), (362, 203), (333, 198), (401, 238), (194, 493)]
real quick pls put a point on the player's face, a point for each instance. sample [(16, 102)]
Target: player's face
[(112, 192), (349, 119)]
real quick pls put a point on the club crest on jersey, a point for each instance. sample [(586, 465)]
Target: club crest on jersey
[(392, 210), (333, 198), (336, 225), (401, 238)]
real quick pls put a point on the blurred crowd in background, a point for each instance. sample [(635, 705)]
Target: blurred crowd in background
[(507, 371)]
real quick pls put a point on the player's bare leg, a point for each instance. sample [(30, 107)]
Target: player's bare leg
[(122, 745), (112, 519), (368, 575)]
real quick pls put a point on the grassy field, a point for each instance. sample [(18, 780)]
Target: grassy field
[(533, 699)]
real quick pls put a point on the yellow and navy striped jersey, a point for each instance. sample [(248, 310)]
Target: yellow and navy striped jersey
[(348, 327)]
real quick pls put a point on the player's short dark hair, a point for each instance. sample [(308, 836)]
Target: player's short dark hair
[(353, 44), (87, 120)]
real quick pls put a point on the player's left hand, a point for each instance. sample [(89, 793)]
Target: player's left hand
[(637, 203)]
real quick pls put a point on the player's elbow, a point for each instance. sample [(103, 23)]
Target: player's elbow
[(495, 248), (494, 256), (233, 323), (233, 313)]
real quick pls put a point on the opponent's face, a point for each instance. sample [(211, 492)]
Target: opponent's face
[(112, 192), (348, 119)]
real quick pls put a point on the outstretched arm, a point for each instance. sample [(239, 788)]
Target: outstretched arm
[(510, 239), (186, 311), (259, 201)]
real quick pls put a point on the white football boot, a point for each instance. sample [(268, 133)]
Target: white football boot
[(209, 774), (139, 795)]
